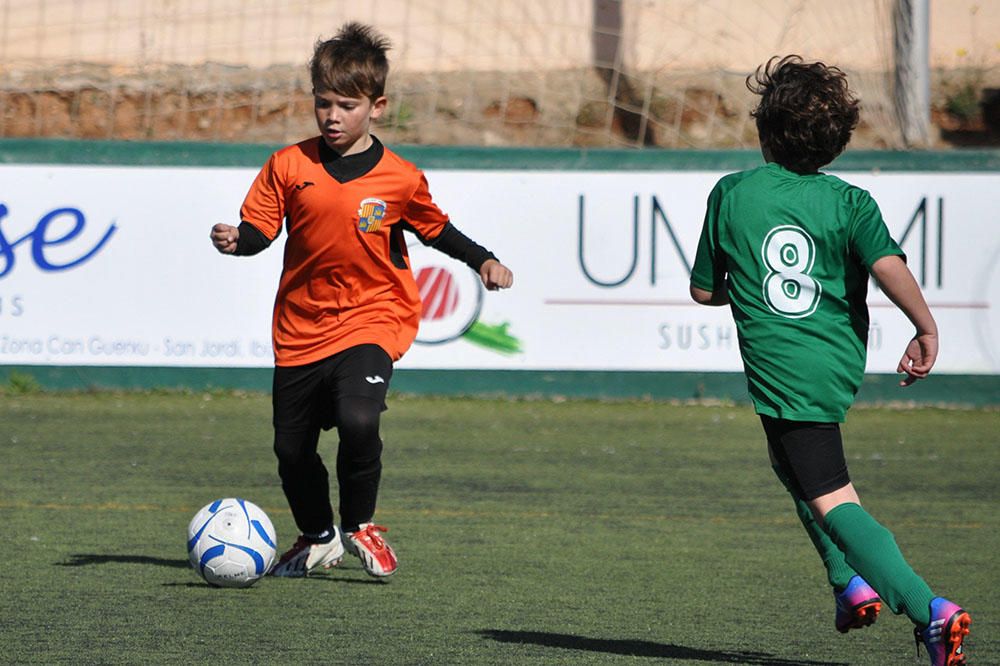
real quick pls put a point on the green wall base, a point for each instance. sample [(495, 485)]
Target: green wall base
[(959, 390)]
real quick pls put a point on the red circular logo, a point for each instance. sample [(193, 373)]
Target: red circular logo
[(438, 291)]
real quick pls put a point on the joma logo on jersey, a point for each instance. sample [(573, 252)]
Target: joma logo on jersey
[(370, 215)]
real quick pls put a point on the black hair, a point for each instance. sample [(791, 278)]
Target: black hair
[(806, 112)]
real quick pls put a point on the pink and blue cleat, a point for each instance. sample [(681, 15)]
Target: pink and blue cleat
[(858, 605), (943, 637)]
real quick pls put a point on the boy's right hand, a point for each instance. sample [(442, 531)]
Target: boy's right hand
[(918, 359), (224, 237)]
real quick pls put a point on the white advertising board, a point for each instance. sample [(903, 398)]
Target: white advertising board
[(113, 266)]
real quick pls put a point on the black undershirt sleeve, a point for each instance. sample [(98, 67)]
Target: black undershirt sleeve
[(457, 245), (251, 240)]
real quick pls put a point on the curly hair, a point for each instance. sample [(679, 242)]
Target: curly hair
[(806, 112), (352, 63)]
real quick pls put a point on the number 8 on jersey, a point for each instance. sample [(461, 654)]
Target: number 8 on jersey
[(789, 290)]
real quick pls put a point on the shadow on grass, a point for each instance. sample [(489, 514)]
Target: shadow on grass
[(82, 560), (344, 579), (200, 584), (86, 559), (636, 648)]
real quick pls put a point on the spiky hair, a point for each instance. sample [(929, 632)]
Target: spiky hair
[(352, 63)]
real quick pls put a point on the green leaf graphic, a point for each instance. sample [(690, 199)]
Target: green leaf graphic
[(493, 337)]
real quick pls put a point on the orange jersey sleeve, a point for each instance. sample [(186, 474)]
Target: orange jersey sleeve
[(264, 206), (422, 213)]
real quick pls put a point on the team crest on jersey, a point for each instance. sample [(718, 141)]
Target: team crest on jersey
[(370, 215)]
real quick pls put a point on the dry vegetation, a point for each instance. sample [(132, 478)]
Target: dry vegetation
[(563, 109)]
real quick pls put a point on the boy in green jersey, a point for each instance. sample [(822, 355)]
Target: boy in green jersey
[(791, 249)]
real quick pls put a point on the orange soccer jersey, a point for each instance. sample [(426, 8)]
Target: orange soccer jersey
[(345, 279)]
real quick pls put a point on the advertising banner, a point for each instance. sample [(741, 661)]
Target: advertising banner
[(113, 266)]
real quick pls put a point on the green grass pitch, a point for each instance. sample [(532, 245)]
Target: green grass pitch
[(528, 532)]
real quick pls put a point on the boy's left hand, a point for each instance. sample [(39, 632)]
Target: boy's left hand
[(495, 275), (918, 359)]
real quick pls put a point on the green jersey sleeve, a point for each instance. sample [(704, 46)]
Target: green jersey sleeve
[(709, 269), (868, 235)]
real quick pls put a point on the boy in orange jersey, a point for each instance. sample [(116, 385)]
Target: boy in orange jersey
[(347, 304)]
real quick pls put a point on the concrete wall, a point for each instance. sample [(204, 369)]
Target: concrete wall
[(507, 35)]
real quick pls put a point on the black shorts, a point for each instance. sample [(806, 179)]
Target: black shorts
[(810, 454), (306, 396)]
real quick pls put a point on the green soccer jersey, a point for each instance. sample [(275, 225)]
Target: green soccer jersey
[(793, 251)]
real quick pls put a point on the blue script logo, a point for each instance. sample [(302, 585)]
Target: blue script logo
[(39, 241)]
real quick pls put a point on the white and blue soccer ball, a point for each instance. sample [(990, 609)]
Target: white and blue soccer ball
[(231, 543)]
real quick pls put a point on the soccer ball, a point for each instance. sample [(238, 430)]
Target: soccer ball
[(231, 543)]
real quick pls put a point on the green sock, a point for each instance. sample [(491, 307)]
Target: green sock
[(872, 551), (838, 571)]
